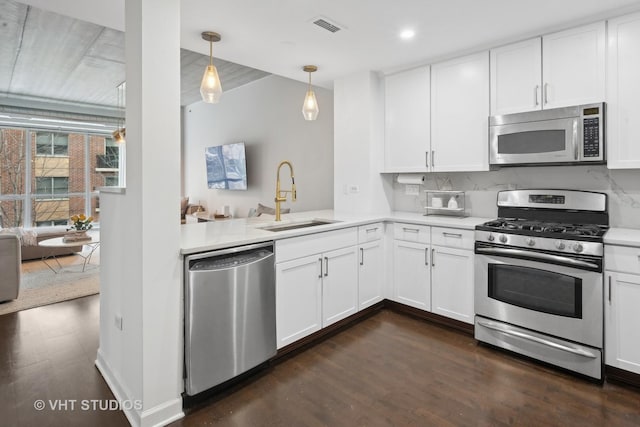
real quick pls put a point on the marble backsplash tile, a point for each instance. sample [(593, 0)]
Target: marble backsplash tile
[(622, 187)]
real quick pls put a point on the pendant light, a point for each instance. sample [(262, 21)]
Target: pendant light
[(210, 88), (120, 133), (310, 107)]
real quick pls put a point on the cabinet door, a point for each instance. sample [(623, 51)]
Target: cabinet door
[(622, 336), (407, 116), (452, 283), (516, 77), (371, 273), (573, 66), (411, 279), (298, 298), (623, 93), (339, 285), (460, 114)]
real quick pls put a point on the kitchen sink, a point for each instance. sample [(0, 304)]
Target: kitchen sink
[(296, 225)]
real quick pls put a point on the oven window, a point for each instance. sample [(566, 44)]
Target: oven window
[(532, 142), (535, 289)]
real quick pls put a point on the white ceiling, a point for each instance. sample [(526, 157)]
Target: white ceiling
[(277, 36), (48, 58)]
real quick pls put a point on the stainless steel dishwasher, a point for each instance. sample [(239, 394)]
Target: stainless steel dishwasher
[(230, 314)]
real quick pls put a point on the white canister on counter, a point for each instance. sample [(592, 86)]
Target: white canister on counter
[(453, 202)]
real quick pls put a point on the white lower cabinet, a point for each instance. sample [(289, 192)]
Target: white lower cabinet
[(339, 285), (411, 279), (370, 273), (622, 317), (314, 290), (452, 283), (298, 298)]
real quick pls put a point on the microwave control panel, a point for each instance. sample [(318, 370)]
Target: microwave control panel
[(591, 135)]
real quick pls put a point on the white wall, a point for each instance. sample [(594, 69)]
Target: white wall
[(359, 142), (267, 116), (622, 186), (140, 235)]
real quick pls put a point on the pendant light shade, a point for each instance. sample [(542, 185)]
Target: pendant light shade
[(210, 87), (310, 108)]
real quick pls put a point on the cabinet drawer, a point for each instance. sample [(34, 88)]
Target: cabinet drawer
[(622, 258), (452, 237), (411, 232), (370, 232), (298, 247)]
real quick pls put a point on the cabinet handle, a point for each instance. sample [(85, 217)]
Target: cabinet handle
[(609, 290), (535, 95), (326, 266), (433, 257), (426, 158), (433, 155), (412, 230), (458, 235), (426, 256), (320, 276), (546, 93), (361, 256), (371, 230)]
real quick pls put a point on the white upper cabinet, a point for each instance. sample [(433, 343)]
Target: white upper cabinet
[(573, 66), (460, 114), (623, 92), (515, 77), (558, 70), (407, 118)]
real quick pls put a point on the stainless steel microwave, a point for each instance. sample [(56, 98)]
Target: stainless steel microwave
[(569, 135)]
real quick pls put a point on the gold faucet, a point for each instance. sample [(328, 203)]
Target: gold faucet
[(281, 195)]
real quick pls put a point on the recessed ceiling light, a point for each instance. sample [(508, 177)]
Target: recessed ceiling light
[(407, 34)]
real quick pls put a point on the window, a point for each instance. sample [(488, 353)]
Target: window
[(52, 185), (51, 223), (111, 181), (52, 144)]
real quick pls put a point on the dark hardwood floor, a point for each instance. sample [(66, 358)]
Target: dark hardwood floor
[(388, 370)]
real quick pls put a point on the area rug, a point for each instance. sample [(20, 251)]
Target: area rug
[(46, 287)]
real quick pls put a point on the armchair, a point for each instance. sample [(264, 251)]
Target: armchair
[(10, 258)]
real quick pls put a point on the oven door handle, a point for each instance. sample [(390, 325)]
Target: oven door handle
[(537, 255), (507, 331)]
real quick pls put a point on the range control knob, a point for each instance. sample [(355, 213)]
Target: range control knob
[(560, 245), (503, 238), (578, 247), (530, 241), (491, 237)]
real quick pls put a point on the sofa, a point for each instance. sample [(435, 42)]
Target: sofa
[(29, 240)]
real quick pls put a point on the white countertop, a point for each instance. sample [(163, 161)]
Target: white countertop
[(622, 236), (214, 235)]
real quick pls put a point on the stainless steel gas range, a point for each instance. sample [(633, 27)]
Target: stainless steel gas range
[(538, 277)]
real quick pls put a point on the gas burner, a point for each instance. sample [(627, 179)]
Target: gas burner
[(544, 229)]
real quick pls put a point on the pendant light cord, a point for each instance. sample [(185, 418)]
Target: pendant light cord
[(210, 52)]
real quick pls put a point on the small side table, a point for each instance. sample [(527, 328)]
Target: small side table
[(58, 242)]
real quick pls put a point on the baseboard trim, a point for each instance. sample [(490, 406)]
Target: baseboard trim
[(425, 315), (621, 376), (159, 415), (118, 390), (324, 333)]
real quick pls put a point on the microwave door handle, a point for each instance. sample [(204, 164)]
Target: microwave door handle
[(537, 256)]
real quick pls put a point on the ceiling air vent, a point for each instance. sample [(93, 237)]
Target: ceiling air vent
[(326, 24)]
